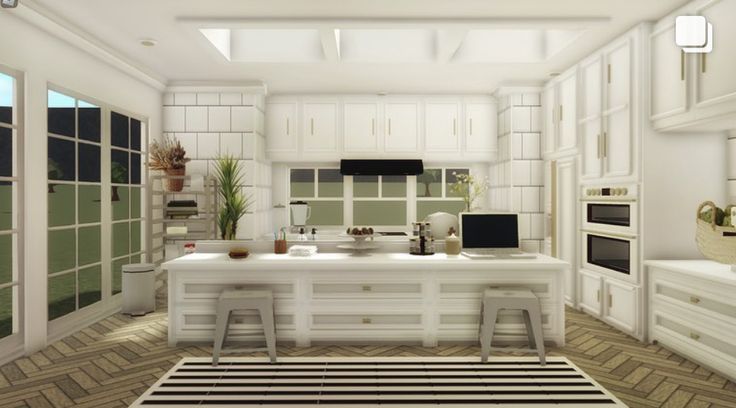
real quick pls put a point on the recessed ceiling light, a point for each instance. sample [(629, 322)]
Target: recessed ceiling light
[(553, 74), (148, 42)]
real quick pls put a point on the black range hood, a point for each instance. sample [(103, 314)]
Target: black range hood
[(381, 167)]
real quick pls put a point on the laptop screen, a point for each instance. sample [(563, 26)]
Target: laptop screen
[(489, 230)]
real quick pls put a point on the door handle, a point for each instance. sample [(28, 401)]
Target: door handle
[(702, 62), (561, 113), (367, 288), (389, 126), (373, 127), (312, 126), (471, 126), (610, 300), (694, 336), (367, 320), (598, 140), (694, 300), (598, 296), (287, 126), (682, 65), (454, 127), (609, 74), (604, 146)]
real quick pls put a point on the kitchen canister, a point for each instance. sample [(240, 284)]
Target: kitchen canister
[(452, 243)]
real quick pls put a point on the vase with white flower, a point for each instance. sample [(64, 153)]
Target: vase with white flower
[(469, 188)]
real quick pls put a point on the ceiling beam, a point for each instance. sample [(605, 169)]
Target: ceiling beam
[(330, 44), (448, 42)]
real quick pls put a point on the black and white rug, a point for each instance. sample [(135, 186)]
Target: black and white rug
[(385, 381)]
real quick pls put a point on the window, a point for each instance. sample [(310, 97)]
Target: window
[(434, 193), (9, 204), (125, 178), (78, 224), (74, 196), (379, 200), (323, 190)]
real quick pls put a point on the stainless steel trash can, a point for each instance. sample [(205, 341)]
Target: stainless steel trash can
[(139, 289)]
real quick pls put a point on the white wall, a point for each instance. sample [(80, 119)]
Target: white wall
[(44, 59)]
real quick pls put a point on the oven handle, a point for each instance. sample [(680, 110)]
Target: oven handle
[(610, 235)]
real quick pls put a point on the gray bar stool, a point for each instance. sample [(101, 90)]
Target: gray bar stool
[(232, 300), (511, 298)]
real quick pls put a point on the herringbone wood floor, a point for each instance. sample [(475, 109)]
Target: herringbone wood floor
[(112, 362)]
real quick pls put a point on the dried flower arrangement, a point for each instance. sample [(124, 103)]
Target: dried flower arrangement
[(168, 155)]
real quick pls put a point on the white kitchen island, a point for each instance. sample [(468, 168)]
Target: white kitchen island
[(376, 298)]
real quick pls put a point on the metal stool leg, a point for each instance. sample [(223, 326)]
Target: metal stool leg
[(269, 329), (529, 329), (221, 325), (489, 322), (535, 315)]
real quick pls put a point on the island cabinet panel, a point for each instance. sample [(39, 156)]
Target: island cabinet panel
[(381, 298)]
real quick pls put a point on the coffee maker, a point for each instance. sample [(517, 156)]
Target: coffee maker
[(300, 213), (422, 242)]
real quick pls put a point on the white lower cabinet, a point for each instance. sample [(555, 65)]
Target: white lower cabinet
[(616, 303), (692, 311)]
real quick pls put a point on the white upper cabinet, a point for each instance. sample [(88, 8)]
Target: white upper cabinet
[(618, 75), (480, 127), (319, 127), (361, 127), (401, 127), (592, 158), (442, 133), (617, 144), (669, 87), (281, 127), (716, 74), (697, 91), (567, 136), (549, 107), (590, 88)]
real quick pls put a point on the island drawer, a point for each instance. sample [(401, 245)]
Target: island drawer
[(204, 319), (474, 289), (507, 321), (366, 321), (352, 290), (193, 290), (701, 339), (700, 296)]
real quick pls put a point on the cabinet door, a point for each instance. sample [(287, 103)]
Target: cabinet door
[(566, 213), (566, 138), (716, 81), (401, 133), (319, 133), (667, 75), (618, 76), (360, 127), (281, 127), (617, 149), (592, 153), (621, 305), (480, 127), (591, 286), (442, 133), (590, 83), (549, 104)]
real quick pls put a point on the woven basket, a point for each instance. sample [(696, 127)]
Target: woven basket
[(715, 242)]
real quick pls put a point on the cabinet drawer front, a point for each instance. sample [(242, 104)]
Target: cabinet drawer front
[(683, 331), (368, 289), (194, 319), (475, 290), (510, 321), (211, 291), (692, 298), (365, 321)]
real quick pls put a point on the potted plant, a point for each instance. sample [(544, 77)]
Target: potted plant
[(233, 204), (469, 189), (170, 157)]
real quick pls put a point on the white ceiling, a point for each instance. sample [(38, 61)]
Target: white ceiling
[(182, 55)]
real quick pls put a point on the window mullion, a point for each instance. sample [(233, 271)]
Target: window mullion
[(106, 204)]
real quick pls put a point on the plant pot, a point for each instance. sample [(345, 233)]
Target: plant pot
[(175, 184)]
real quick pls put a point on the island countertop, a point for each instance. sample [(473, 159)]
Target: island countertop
[(342, 261)]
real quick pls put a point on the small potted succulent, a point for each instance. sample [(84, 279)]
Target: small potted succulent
[(168, 156)]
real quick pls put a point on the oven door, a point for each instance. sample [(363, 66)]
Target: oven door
[(613, 255), (615, 217)]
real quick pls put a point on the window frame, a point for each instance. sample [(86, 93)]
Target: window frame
[(316, 197), (15, 338)]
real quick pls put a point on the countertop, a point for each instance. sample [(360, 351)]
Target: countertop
[(701, 268), (371, 261)]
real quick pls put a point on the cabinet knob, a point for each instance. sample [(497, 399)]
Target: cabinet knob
[(367, 288), (694, 300), (367, 320), (695, 336)]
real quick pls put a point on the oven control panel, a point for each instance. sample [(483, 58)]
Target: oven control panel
[(612, 192)]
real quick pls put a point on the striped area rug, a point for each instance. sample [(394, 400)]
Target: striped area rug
[(381, 381)]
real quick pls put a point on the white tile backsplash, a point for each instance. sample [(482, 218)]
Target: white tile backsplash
[(168, 99), (249, 145), (531, 149), (189, 143), (219, 119), (537, 173), (531, 199), (208, 145), (196, 118), (525, 228), (521, 119), (531, 246), (522, 175), (243, 119), (231, 98), (536, 119), (231, 144), (516, 199), (174, 119), (208, 99), (197, 167), (537, 226), (530, 99), (185, 98), (517, 147)]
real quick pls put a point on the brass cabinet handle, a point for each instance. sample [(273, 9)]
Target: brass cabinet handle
[(694, 336), (373, 127), (604, 146), (367, 320), (389, 126), (367, 288), (609, 73), (610, 300), (287, 126), (471, 126), (598, 296), (682, 65), (598, 140), (312, 126), (560, 113), (454, 127), (703, 67), (694, 300)]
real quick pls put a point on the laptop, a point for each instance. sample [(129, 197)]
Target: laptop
[(491, 235)]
